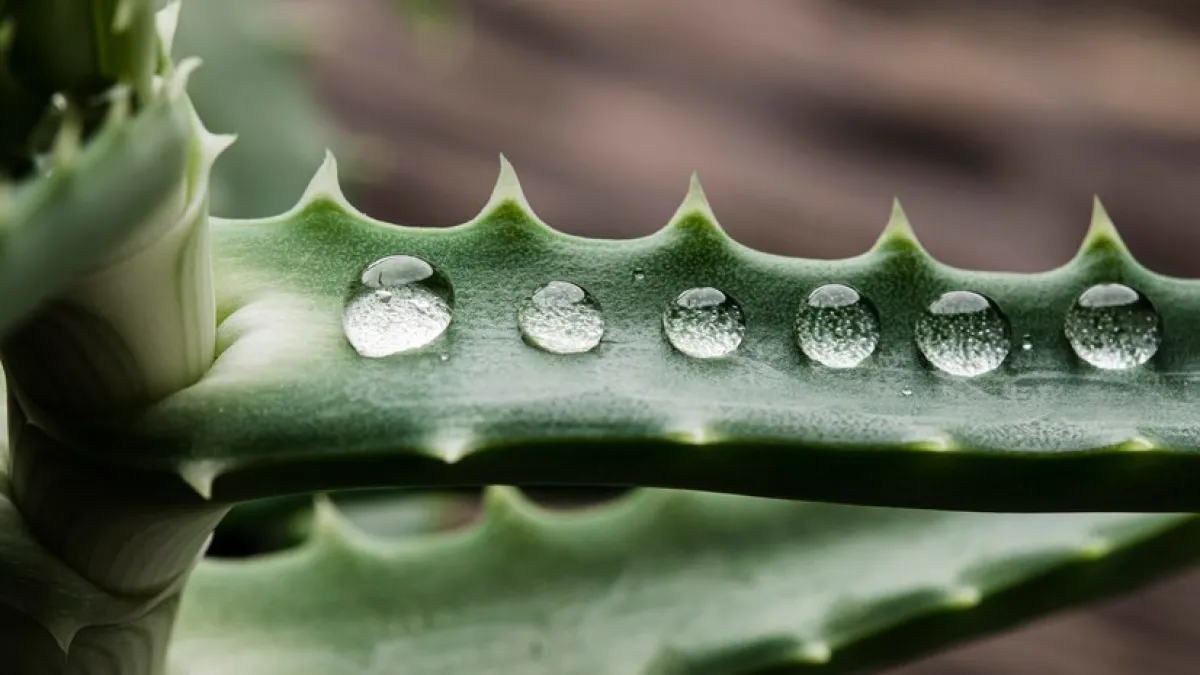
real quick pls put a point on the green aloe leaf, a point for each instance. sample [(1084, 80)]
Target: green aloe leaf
[(55, 227), (659, 582), (1043, 432)]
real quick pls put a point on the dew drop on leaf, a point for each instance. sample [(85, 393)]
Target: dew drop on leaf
[(561, 318), (704, 323), (1113, 327), (398, 304), (837, 327), (963, 333)]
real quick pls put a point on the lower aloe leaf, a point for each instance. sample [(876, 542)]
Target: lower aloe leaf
[(659, 582), (515, 354)]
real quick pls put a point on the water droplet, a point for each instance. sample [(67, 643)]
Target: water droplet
[(444, 356), (561, 318), (639, 274), (1026, 343), (837, 327), (964, 334), (1113, 327), (400, 303), (704, 323), (906, 392)]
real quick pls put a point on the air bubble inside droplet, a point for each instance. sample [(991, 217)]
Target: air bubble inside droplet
[(963, 333), (837, 327), (561, 318), (704, 323), (1113, 327), (398, 304)]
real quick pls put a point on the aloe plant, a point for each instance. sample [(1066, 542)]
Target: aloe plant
[(174, 365)]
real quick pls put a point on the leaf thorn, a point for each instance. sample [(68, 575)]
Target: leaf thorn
[(695, 213), (815, 651), (166, 21), (508, 191), (201, 475), (1102, 236), (964, 597), (898, 235)]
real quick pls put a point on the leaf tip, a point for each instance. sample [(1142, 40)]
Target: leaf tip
[(506, 504), (214, 145), (166, 22), (507, 191), (451, 446), (325, 185), (963, 597), (695, 214), (1137, 443), (1102, 236), (815, 651), (328, 524), (898, 235), (177, 81), (200, 476), (692, 432), (936, 443), (1095, 548)]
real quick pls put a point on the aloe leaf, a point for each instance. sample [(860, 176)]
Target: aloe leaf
[(54, 228), (659, 582), (1043, 432)]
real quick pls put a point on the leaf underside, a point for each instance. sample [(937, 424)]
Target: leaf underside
[(291, 407), (660, 582)]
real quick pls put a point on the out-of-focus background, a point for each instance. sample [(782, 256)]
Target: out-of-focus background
[(994, 122)]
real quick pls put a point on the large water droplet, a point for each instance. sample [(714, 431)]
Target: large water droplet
[(704, 323), (561, 318), (964, 334), (400, 303), (837, 327), (1113, 327)]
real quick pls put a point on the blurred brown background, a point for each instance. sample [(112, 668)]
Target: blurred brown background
[(994, 122)]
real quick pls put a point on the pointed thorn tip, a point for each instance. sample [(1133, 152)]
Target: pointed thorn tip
[(898, 234), (325, 184), (200, 476), (695, 212), (1102, 233)]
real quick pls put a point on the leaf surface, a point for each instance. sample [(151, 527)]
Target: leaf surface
[(290, 406)]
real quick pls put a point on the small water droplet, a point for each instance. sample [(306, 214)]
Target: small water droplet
[(444, 356), (1026, 343), (561, 318), (963, 333), (398, 304), (704, 323), (1113, 327), (837, 327), (906, 392), (639, 274)]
